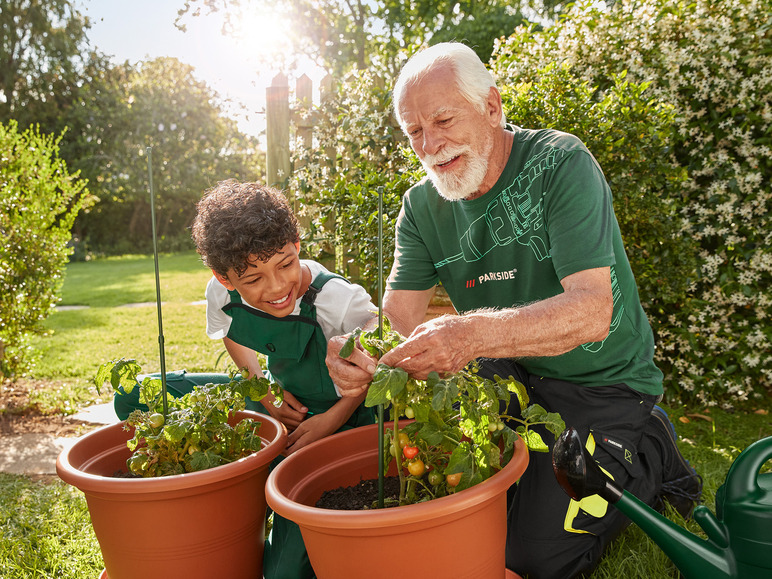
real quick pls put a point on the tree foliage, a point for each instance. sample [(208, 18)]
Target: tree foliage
[(42, 50), (158, 104), (39, 200), (342, 35)]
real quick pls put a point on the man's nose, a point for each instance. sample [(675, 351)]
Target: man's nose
[(432, 141)]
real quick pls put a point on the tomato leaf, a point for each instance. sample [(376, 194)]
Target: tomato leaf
[(461, 459), (348, 347), (150, 391), (175, 432), (534, 413), (387, 383), (517, 388), (554, 423), (202, 460), (532, 440), (445, 392), (431, 434), (120, 373)]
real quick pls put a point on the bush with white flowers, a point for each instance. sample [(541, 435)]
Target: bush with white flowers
[(712, 62)]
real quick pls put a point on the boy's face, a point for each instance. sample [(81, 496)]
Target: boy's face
[(272, 286)]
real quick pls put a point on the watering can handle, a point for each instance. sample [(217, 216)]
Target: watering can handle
[(742, 478)]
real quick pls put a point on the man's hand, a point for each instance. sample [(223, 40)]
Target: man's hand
[(441, 345), (353, 374), (291, 412)]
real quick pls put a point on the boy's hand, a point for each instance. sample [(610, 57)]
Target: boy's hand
[(312, 429), (291, 412), (351, 375)]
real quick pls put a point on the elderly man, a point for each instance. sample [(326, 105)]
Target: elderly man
[(518, 225)]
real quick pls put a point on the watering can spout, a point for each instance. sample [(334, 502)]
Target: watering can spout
[(580, 476)]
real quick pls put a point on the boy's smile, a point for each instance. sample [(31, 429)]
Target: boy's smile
[(272, 286)]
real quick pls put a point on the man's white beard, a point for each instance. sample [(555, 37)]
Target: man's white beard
[(458, 185)]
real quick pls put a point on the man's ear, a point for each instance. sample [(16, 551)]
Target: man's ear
[(494, 106), (223, 280)]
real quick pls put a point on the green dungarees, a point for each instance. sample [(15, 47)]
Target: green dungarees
[(295, 348)]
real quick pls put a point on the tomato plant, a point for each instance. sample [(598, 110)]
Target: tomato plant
[(195, 434), (461, 433)]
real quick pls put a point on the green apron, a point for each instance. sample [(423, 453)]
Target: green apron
[(295, 348)]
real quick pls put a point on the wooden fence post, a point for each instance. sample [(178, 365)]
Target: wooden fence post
[(277, 122)]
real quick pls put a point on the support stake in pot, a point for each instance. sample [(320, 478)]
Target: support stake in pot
[(157, 281), (381, 475)]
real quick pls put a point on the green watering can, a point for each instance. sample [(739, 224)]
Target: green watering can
[(739, 543)]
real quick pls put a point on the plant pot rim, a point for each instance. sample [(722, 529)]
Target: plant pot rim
[(77, 467), (312, 516)]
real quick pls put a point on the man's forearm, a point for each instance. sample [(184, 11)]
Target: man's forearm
[(547, 328)]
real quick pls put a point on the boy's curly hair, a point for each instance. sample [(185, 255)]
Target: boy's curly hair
[(235, 221)]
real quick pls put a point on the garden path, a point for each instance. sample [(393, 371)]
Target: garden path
[(35, 453)]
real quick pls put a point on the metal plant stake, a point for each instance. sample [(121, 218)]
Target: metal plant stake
[(381, 474), (149, 151)]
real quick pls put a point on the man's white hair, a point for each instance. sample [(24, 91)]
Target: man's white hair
[(473, 80)]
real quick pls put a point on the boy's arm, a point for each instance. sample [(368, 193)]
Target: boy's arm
[(318, 426), (291, 412)]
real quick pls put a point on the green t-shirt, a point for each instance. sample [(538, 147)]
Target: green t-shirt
[(549, 215)]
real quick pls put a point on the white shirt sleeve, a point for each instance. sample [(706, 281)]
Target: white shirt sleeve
[(341, 307), (218, 323)]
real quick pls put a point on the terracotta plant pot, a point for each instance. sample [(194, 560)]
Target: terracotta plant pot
[(198, 525), (461, 535)]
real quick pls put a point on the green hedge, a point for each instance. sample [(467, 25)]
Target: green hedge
[(39, 200)]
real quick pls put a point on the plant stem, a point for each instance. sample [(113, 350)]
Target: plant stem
[(398, 458)]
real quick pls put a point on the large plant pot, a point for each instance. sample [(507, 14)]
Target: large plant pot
[(198, 525), (461, 535)]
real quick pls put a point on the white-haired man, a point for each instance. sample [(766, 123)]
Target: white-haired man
[(518, 225)]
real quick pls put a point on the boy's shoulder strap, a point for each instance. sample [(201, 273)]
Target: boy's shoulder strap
[(317, 284)]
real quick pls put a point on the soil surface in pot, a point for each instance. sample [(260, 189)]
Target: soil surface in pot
[(361, 496)]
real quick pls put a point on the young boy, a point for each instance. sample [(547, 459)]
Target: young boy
[(264, 298)]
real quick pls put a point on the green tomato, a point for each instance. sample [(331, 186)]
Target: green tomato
[(435, 478), (156, 420), (409, 413)]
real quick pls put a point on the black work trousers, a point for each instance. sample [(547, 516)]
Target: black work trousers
[(551, 536)]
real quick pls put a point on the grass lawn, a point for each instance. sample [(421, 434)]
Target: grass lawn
[(46, 530), (120, 320)]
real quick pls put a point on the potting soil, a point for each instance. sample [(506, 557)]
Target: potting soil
[(361, 496)]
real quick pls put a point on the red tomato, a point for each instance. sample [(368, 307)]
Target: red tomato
[(410, 452)]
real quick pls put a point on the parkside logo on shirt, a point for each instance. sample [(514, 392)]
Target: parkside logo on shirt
[(492, 276)]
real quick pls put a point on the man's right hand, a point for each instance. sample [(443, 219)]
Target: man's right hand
[(351, 375)]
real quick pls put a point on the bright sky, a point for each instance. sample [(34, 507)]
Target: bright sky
[(137, 30)]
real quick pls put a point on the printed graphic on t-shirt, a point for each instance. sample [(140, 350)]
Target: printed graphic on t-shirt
[(514, 215), (616, 315)]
